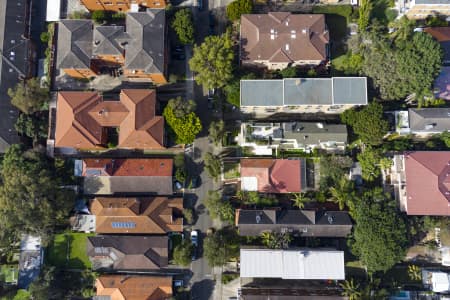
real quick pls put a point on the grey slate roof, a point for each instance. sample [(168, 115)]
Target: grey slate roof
[(435, 2), (430, 120), (106, 40), (74, 44), (307, 223), (304, 91), (145, 51), (311, 134), (14, 64)]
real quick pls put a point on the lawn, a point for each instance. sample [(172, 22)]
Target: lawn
[(231, 171), (9, 273), (68, 250)]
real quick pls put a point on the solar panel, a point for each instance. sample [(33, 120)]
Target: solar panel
[(123, 225)]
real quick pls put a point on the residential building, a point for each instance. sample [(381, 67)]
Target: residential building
[(114, 252), (269, 175), (303, 95), (305, 223), (263, 137), (280, 39), (423, 121), (292, 264), (442, 35), (84, 120), (131, 176), (421, 182), (437, 281), (139, 48), (122, 5), (149, 215), (421, 9), (128, 287), (30, 261), (291, 294), (441, 86), (16, 62)]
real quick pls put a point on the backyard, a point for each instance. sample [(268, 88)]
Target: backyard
[(231, 170), (9, 274), (68, 250)]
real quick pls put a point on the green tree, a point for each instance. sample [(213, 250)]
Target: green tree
[(213, 61), (217, 132), (182, 254), (30, 198), (342, 193), (370, 163), (218, 208), (289, 72), (239, 7), (332, 169), (213, 165), (233, 89), (300, 199), (275, 240), (379, 236), (184, 26), (29, 97), (445, 137), (99, 16), (365, 10), (403, 29), (32, 126), (221, 246), (369, 123), (185, 128), (351, 290), (181, 107), (44, 37)]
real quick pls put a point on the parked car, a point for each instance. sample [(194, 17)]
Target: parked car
[(195, 182), (179, 49), (194, 241), (178, 283), (178, 56)]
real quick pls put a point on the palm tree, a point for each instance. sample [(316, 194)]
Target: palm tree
[(300, 199), (342, 193), (351, 290), (414, 272)]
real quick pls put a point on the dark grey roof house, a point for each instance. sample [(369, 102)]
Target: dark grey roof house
[(302, 222), (16, 62), (74, 44), (107, 40), (128, 252), (429, 120)]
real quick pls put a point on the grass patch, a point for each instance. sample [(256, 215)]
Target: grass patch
[(341, 10), (68, 250), (9, 273), (231, 171)]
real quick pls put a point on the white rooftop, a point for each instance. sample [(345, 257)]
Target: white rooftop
[(53, 10), (293, 264), (249, 183), (30, 243)]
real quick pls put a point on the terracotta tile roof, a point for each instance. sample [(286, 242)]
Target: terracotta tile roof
[(157, 215), (441, 34), (428, 183), (281, 37), (134, 287), (82, 119), (274, 175), (128, 167)]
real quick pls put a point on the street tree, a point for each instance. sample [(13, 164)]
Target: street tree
[(185, 127), (182, 254), (239, 7), (217, 131), (221, 246), (213, 165), (32, 126), (213, 61), (380, 235), (218, 208), (29, 97), (181, 107), (184, 26)]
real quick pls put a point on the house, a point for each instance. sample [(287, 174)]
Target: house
[(84, 120), (269, 175), (421, 9), (280, 39), (124, 287), (122, 5), (292, 264), (263, 137), (126, 176), (16, 62), (421, 182), (302, 95), (30, 261), (150, 215), (441, 86), (437, 281), (120, 252), (423, 121), (139, 48), (305, 223), (442, 35), (293, 293)]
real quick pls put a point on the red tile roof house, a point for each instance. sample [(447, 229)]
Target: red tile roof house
[(268, 175), (108, 176), (421, 181)]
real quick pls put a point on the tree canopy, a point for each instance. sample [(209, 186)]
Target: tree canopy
[(217, 132), (213, 61), (380, 236), (368, 123), (31, 200), (370, 163), (32, 127), (332, 169), (29, 97), (184, 26), (221, 246), (213, 165), (238, 7), (182, 254), (184, 122), (219, 208)]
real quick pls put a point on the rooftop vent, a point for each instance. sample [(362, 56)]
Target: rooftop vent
[(319, 125), (96, 42), (293, 34), (330, 219), (287, 47), (305, 31), (429, 126), (258, 219)]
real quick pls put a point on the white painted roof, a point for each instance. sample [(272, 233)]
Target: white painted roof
[(53, 10), (292, 264), (249, 183), (440, 282)]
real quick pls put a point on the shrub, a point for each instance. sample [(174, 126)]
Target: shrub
[(238, 7), (99, 16), (44, 37)]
